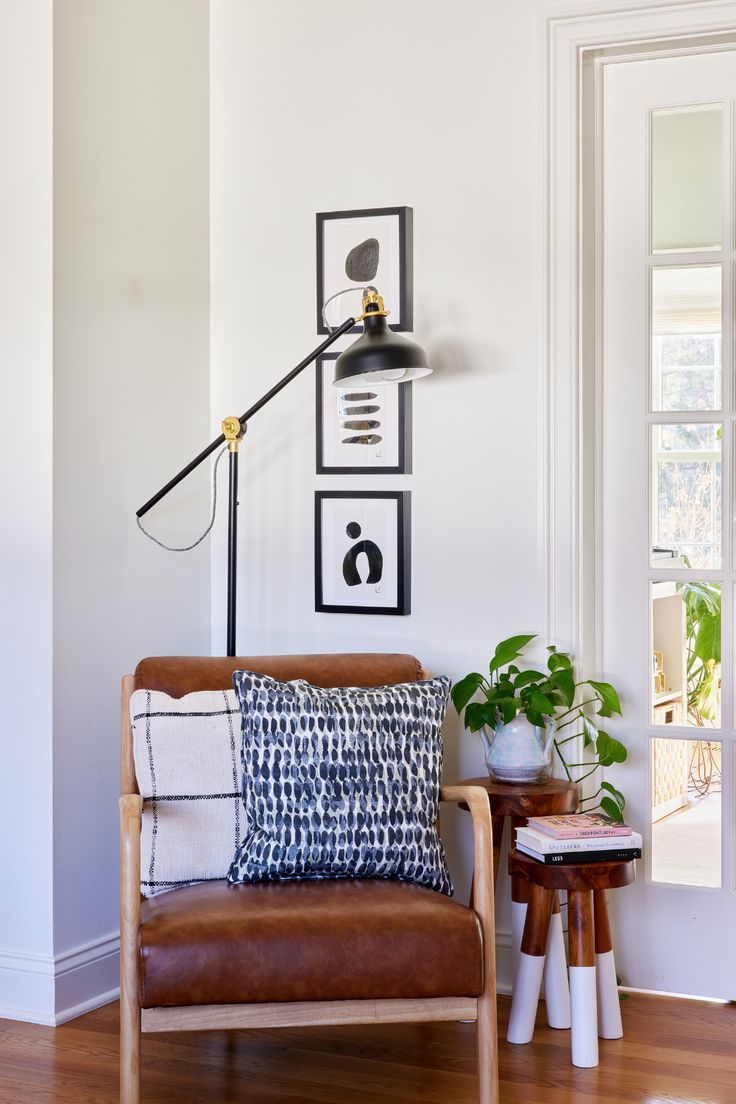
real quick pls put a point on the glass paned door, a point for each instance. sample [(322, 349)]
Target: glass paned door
[(666, 516)]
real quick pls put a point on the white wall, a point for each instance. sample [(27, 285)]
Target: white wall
[(439, 108), (131, 406), (26, 936)]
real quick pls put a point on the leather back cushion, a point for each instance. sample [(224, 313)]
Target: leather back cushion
[(179, 675)]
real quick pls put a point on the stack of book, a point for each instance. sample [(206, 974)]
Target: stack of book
[(580, 838)]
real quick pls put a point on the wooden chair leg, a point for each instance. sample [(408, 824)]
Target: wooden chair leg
[(130, 1049), (528, 978), (556, 984), (487, 1047), (582, 978), (519, 906), (609, 1005), (130, 906)]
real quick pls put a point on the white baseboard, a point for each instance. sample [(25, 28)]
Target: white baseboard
[(50, 990)]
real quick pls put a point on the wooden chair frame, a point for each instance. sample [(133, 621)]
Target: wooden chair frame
[(134, 1019)]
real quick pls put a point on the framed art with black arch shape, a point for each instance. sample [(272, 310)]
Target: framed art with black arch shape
[(361, 429), (357, 249), (362, 552)]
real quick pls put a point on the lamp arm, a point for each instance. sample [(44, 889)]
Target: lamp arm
[(330, 340)]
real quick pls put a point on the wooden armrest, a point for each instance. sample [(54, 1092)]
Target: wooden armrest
[(131, 807), (476, 799)]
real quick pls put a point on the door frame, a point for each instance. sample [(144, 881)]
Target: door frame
[(575, 44)]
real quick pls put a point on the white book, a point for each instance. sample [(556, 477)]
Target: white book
[(546, 845)]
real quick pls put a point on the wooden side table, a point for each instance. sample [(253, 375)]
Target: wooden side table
[(520, 801), (595, 1008)]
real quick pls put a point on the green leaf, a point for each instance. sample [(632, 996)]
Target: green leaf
[(609, 806), (535, 718), (708, 639), (478, 715), (528, 677), (509, 650), (540, 703), (562, 679), (617, 796), (590, 732), (607, 694), (463, 691), (559, 661), (509, 708), (610, 750)]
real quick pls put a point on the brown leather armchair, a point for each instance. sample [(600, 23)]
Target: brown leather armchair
[(297, 953)]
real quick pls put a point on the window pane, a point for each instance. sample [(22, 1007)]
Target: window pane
[(686, 179), (686, 660), (686, 338), (686, 812), (686, 495)]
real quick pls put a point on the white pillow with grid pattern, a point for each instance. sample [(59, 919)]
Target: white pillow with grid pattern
[(188, 766)]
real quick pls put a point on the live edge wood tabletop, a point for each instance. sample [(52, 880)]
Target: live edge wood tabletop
[(521, 800)]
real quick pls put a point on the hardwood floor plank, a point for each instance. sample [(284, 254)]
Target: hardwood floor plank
[(673, 1052)]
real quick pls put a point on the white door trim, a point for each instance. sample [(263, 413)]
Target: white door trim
[(567, 37)]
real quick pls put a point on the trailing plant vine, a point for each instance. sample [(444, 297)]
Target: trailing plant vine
[(575, 705)]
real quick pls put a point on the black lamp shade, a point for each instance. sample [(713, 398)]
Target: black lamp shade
[(380, 356)]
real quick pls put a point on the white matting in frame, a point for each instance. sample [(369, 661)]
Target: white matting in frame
[(362, 552), (361, 429), (360, 248)]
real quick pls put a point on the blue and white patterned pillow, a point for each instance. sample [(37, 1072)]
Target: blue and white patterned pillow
[(341, 783)]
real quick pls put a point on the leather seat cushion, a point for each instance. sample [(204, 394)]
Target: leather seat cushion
[(216, 943)]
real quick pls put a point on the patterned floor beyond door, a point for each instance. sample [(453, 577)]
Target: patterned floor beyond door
[(673, 1051)]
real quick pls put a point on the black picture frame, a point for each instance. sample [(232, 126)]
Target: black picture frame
[(403, 552), (406, 264), (404, 445)]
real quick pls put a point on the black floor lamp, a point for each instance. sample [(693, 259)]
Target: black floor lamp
[(378, 356)]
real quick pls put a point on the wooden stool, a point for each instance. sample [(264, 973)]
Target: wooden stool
[(520, 801), (595, 1008)]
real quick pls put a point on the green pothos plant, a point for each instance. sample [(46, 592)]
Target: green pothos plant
[(576, 705), (702, 603)]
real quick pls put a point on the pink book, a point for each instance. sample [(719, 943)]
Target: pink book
[(578, 826)]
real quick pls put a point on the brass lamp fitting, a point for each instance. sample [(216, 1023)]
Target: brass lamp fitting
[(233, 432), (372, 305)]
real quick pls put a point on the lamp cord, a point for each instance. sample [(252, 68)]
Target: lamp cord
[(344, 291), (189, 547)]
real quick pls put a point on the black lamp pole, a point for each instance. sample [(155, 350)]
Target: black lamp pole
[(233, 431)]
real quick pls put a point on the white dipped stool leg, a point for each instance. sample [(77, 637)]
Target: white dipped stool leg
[(527, 984), (584, 1013), (556, 984), (528, 979), (584, 1017), (609, 1005)]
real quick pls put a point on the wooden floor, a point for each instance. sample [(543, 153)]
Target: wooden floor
[(674, 1052)]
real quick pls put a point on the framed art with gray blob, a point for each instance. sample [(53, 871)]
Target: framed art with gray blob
[(360, 248), (362, 554), (361, 429)]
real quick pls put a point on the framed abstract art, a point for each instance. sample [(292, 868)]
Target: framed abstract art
[(361, 430), (362, 556), (356, 249)]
